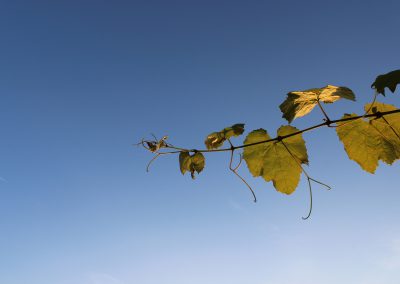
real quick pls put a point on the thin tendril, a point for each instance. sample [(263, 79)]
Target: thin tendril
[(234, 170), (240, 162), (321, 183), (309, 179), (309, 211), (142, 143), (152, 160)]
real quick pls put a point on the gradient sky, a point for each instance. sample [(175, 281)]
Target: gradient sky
[(81, 81)]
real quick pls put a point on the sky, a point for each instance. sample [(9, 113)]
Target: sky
[(82, 81)]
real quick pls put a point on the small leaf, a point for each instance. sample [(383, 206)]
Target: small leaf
[(191, 163), (154, 146), (197, 164), (184, 162), (234, 130), (217, 139), (214, 140), (272, 160), (300, 103), (389, 80)]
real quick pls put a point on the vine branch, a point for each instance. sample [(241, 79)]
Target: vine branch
[(278, 138)]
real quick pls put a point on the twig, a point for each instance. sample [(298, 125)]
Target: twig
[(326, 123), (323, 111)]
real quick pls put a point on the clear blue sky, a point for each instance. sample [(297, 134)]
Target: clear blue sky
[(81, 81)]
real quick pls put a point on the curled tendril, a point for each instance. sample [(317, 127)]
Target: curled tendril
[(152, 160), (154, 146), (309, 179)]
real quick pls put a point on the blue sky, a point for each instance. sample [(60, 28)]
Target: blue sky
[(81, 81)]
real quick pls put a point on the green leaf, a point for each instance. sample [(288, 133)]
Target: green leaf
[(192, 163), (214, 140), (217, 139), (361, 142), (184, 162), (198, 163), (367, 141), (273, 161), (300, 103), (234, 130), (388, 128), (389, 80)]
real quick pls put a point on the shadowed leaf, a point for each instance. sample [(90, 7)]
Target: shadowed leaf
[(217, 139), (191, 163), (389, 80), (198, 162), (184, 162)]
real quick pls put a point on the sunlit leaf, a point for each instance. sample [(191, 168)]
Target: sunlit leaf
[(331, 94), (361, 142), (214, 140), (388, 128), (367, 141), (389, 80), (300, 103), (217, 139), (273, 161)]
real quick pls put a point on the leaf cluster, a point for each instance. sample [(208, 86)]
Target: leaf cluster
[(368, 138)]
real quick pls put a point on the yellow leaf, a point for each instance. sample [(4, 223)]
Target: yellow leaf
[(273, 161)]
